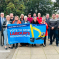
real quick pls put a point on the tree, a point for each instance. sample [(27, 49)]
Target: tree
[(38, 6), (56, 6), (14, 6)]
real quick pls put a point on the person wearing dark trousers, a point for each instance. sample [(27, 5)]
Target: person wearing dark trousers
[(43, 22), (53, 29), (34, 21), (16, 21), (47, 21), (57, 17), (25, 21), (2, 19)]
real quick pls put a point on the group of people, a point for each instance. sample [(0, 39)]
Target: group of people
[(52, 27)]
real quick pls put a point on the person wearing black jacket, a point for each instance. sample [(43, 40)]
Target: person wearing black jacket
[(47, 21), (11, 17), (34, 21), (5, 23), (53, 29)]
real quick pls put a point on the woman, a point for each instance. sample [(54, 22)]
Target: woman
[(43, 22), (34, 22), (25, 21), (16, 21), (22, 18), (5, 23)]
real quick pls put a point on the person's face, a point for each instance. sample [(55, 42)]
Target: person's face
[(25, 19), (2, 15), (29, 16), (39, 15), (35, 19), (43, 21), (16, 18), (22, 16), (8, 18), (57, 16), (11, 15), (47, 16), (53, 16), (34, 15)]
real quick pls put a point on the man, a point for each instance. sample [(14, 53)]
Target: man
[(29, 18), (57, 17), (53, 29), (11, 17), (47, 21), (2, 19), (39, 18)]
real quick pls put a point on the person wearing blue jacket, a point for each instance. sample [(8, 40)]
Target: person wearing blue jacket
[(2, 19)]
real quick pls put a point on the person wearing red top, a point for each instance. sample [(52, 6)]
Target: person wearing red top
[(29, 18), (39, 18), (43, 22)]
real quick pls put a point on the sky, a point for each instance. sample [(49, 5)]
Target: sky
[(54, 0)]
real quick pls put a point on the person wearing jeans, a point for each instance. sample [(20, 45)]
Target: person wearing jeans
[(5, 23)]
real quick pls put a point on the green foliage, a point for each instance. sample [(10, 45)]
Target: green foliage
[(25, 6)]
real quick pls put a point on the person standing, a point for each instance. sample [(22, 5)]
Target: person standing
[(34, 21), (29, 18), (39, 18), (2, 19), (57, 17), (5, 23), (16, 21), (11, 17), (34, 15), (22, 18), (43, 22), (25, 21), (53, 29), (47, 21)]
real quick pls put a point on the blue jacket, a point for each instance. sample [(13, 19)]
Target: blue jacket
[(0, 22)]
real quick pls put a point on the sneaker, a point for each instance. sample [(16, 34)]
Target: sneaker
[(50, 44), (34, 44), (5, 48)]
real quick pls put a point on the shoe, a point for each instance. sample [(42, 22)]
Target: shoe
[(50, 44), (5, 48), (57, 45), (11, 47), (20, 45), (34, 44), (26, 45), (41, 44), (44, 45), (1, 45), (15, 47)]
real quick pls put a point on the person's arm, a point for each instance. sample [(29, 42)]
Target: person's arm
[(49, 24), (56, 25)]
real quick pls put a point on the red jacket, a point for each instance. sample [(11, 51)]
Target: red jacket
[(46, 29), (39, 20)]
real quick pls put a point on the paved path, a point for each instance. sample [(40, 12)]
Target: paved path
[(39, 52), (6, 54)]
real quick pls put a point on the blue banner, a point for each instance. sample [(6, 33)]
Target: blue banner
[(26, 33)]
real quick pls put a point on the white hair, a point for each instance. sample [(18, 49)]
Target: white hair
[(2, 13), (7, 16), (25, 17)]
